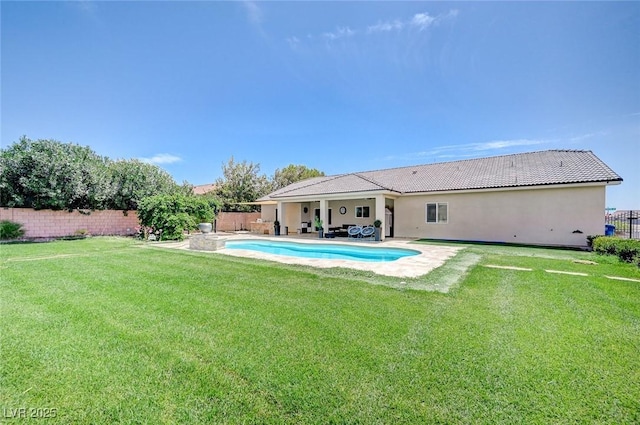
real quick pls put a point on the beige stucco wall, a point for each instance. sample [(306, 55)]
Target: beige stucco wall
[(268, 212), (533, 216)]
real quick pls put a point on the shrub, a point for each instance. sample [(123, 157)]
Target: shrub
[(171, 215), (627, 250), (10, 230), (590, 240), (606, 245)]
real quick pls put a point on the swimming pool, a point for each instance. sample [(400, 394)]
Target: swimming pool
[(324, 251)]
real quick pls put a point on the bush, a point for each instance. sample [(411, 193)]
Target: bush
[(627, 250), (606, 245), (170, 215), (592, 238), (10, 230)]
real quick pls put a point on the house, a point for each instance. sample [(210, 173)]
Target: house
[(554, 197), (203, 189)]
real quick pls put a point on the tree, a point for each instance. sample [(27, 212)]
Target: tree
[(291, 174), (241, 183), (50, 174), (134, 180)]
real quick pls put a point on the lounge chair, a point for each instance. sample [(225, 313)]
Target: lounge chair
[(354, 232), (367, 232)]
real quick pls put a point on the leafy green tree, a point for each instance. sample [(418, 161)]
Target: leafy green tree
[(171, 215), (241, 183), (50, 174), (134, 180), (291, 174)]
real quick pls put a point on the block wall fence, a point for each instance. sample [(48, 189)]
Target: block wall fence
[(54, 224), (234, 221)]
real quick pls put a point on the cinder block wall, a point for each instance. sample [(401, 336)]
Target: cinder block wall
[(232, 221), (51, 224)]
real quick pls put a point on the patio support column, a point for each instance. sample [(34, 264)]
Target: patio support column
[(380, 214), (281, 215), (323, 214)]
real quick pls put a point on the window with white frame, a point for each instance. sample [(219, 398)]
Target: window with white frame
[(362, 212), (437, 212)]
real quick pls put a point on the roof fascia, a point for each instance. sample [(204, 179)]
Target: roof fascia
[(514, 188), (341, 195)]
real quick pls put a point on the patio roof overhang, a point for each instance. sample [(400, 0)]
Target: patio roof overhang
[(257, 203), (334, 196)]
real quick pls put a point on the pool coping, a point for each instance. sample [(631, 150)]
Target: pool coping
[(429, 257)]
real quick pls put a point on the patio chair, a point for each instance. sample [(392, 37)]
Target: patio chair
[(367, 232), (354, 232)]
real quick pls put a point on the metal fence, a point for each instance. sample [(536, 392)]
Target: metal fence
[(626, 224)]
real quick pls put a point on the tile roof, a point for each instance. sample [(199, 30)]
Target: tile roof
[(517, 170), (204, 188)]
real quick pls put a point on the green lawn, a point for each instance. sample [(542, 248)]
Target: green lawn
[(109, 330)]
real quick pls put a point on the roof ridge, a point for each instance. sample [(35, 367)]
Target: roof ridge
[(316, 180), (475, 159), (370, 180)]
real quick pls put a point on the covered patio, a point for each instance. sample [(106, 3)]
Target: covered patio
[(337, 214)]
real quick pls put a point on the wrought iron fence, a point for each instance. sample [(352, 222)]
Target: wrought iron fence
[(626, 224)]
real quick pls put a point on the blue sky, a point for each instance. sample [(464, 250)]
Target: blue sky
[(337, 86)]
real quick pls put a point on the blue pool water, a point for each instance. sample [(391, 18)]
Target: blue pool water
[(321, 250)]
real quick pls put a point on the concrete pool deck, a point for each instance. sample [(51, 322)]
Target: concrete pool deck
[(430, 257)]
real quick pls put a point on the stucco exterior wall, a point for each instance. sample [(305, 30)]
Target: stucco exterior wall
[(53, 224), (268, 212), (535, 216)]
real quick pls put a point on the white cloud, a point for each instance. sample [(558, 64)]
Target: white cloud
[(586, 136), (386, 26), (339, 33), (293, 42), (162, 158), (452, 13), (422, 21), (501, 144), (469, 149), (254, 13)]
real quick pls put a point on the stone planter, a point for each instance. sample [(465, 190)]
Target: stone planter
[(205, 227), (206, 242)]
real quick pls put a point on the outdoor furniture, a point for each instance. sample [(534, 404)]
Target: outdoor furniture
[(367, 232), (354, 232), (341, 231)]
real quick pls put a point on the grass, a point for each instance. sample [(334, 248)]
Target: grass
[(106, 331)]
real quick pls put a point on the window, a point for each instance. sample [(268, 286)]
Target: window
[(437, 212), (362, 212)]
